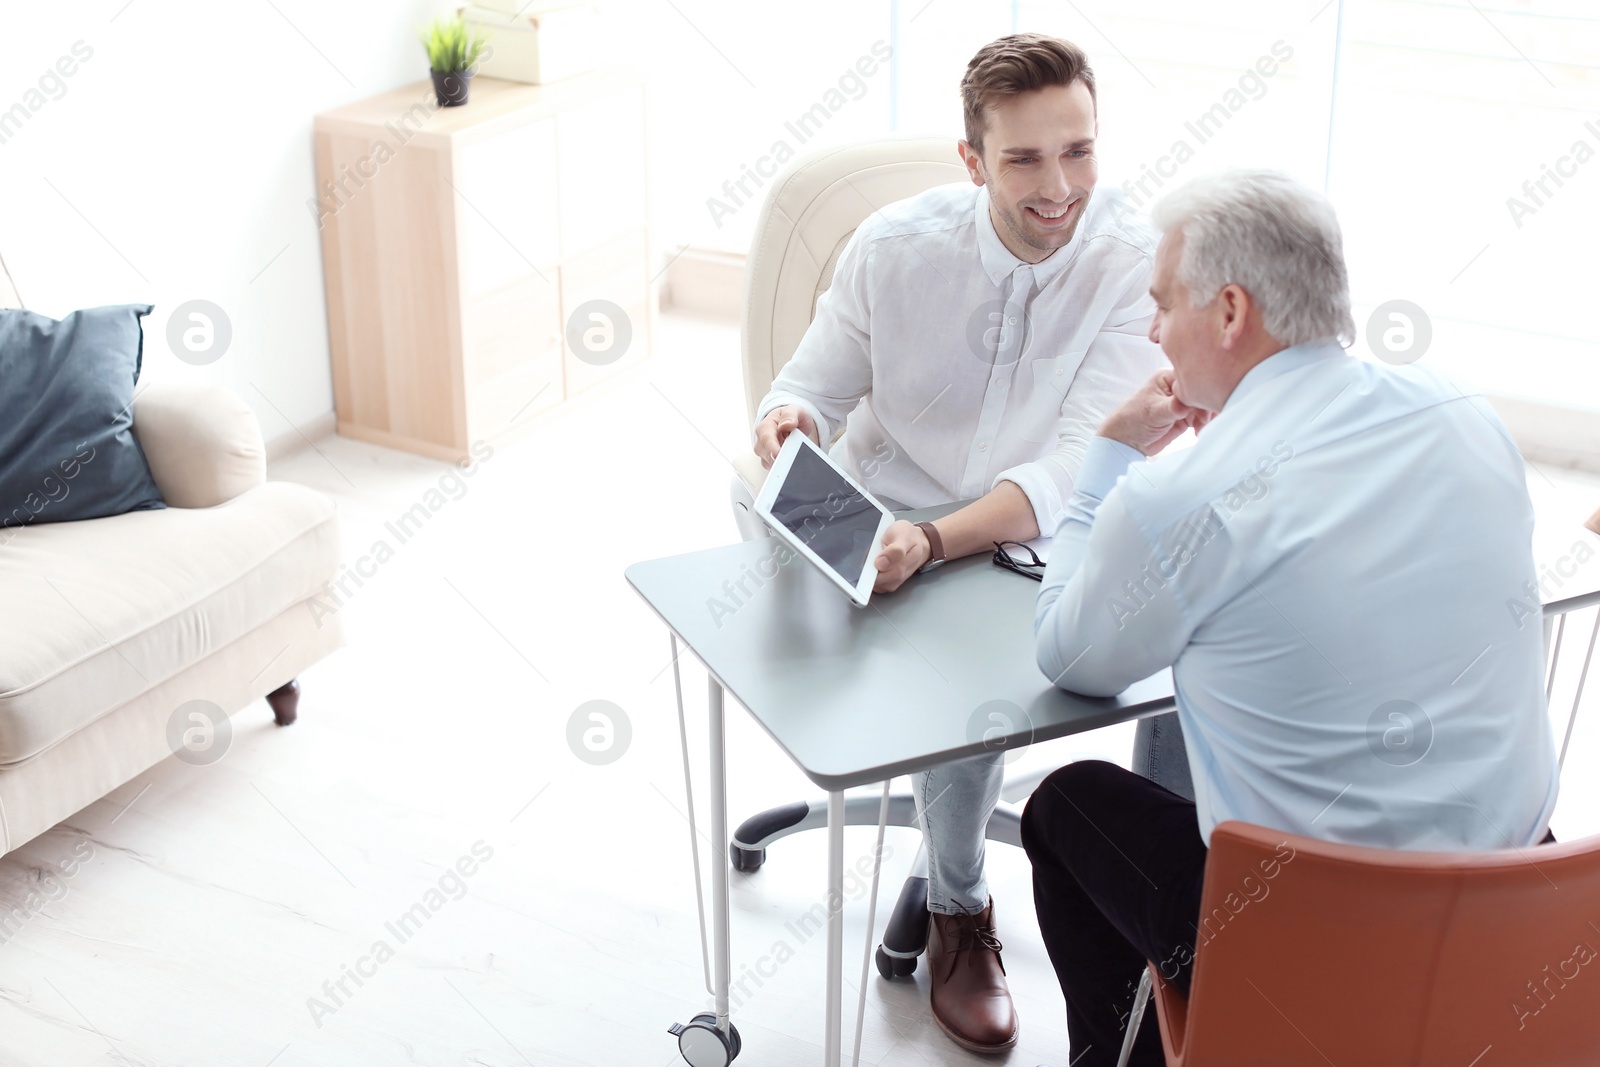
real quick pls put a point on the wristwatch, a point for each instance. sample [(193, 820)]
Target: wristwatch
[(935, 544)]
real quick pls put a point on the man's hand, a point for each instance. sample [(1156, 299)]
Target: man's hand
[(1152, 417), (905, 550), (777, 425)]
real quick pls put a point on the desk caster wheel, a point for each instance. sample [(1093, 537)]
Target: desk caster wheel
[(746, 859), (895, 966), (702, 1044)]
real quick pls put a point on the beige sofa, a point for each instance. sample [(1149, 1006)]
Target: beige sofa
[(108, 627)]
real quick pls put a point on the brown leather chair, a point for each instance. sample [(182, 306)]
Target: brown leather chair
[(1365, 956)]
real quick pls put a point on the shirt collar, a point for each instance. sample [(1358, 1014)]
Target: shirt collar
[(998, 260), (1280, 363)]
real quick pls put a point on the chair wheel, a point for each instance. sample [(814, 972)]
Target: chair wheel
[(702, 1045), (895, 966), (747, 859)]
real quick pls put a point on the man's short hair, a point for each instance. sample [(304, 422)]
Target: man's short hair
[(1016, 64), (1271, 236)]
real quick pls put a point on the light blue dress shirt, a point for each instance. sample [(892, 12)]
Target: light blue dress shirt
[(1327, 571)]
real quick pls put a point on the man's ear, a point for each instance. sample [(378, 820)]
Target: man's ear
[(973, 160), (1233, 304)]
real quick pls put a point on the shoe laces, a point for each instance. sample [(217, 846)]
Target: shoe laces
[(971, 934)]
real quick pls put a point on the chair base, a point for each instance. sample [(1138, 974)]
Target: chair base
[(905, 936)]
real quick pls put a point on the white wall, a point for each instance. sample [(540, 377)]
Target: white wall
[(175, 162)]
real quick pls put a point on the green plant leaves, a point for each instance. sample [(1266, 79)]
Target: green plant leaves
[(451, 46)]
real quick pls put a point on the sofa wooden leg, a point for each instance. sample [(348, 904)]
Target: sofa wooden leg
[(285, 701)]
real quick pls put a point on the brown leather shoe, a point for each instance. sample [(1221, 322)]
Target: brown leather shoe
[(971, 1001)]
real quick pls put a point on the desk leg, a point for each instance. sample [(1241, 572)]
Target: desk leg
[(835, 898), (720, 955), (710, 1039)]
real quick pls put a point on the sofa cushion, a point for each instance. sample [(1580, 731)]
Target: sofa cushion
[(67, 449), (100, 611)]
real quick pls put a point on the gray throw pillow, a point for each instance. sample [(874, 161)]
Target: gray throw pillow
[(67, 449)]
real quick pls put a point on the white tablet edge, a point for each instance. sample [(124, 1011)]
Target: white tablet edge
[(861, 591)]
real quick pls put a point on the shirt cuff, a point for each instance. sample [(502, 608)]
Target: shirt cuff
[(1105, 461), (778, 400)]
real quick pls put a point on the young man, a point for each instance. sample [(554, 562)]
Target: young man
[(1325, 571), (971, 341)]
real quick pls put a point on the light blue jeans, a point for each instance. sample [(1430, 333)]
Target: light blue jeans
[(955, 800), (1160, 755)]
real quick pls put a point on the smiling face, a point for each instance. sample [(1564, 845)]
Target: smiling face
[(1038, 162)]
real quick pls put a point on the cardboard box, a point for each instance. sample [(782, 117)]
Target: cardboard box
[(544, 44)]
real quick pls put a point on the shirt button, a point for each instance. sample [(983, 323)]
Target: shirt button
[(983, 447), (1000, 383)]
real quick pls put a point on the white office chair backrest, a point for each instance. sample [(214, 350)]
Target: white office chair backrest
[(8, 291), (811, 210)]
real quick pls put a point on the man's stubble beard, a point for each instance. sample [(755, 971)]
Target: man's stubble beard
[(1020, 231)]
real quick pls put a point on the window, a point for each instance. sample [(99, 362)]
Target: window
[(1459, 140)]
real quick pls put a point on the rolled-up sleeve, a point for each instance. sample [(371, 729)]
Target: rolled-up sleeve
[(1119, 360)]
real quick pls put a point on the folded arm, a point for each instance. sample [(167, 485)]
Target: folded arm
[(1111, 607)]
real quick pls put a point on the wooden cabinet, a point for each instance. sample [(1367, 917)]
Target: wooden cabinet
[(466, 250)]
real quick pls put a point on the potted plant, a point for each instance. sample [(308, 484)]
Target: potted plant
[(453, 54)]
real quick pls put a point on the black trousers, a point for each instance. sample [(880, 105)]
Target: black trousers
[(1117, 869)]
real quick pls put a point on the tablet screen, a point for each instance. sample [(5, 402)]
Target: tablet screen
[(828, 514)]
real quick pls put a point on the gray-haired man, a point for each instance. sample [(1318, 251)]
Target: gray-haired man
[(1325, 568)]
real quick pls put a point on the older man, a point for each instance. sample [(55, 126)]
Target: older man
[(1325, 571)]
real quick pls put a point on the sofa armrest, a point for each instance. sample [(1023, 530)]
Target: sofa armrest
[(202, 442)]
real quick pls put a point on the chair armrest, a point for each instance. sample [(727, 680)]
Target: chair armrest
[(751, 472), (202, 442)]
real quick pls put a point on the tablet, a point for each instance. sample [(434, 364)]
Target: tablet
[(820, 510)]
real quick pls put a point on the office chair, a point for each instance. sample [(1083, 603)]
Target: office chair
[(1370, 955), (811, 209)]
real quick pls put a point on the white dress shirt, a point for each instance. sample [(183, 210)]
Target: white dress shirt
[(1327, 571), (970, 366)]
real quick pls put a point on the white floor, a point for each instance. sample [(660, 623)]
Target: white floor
[(214, 911)]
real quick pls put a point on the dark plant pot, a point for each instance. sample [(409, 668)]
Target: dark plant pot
[(451, 86)]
